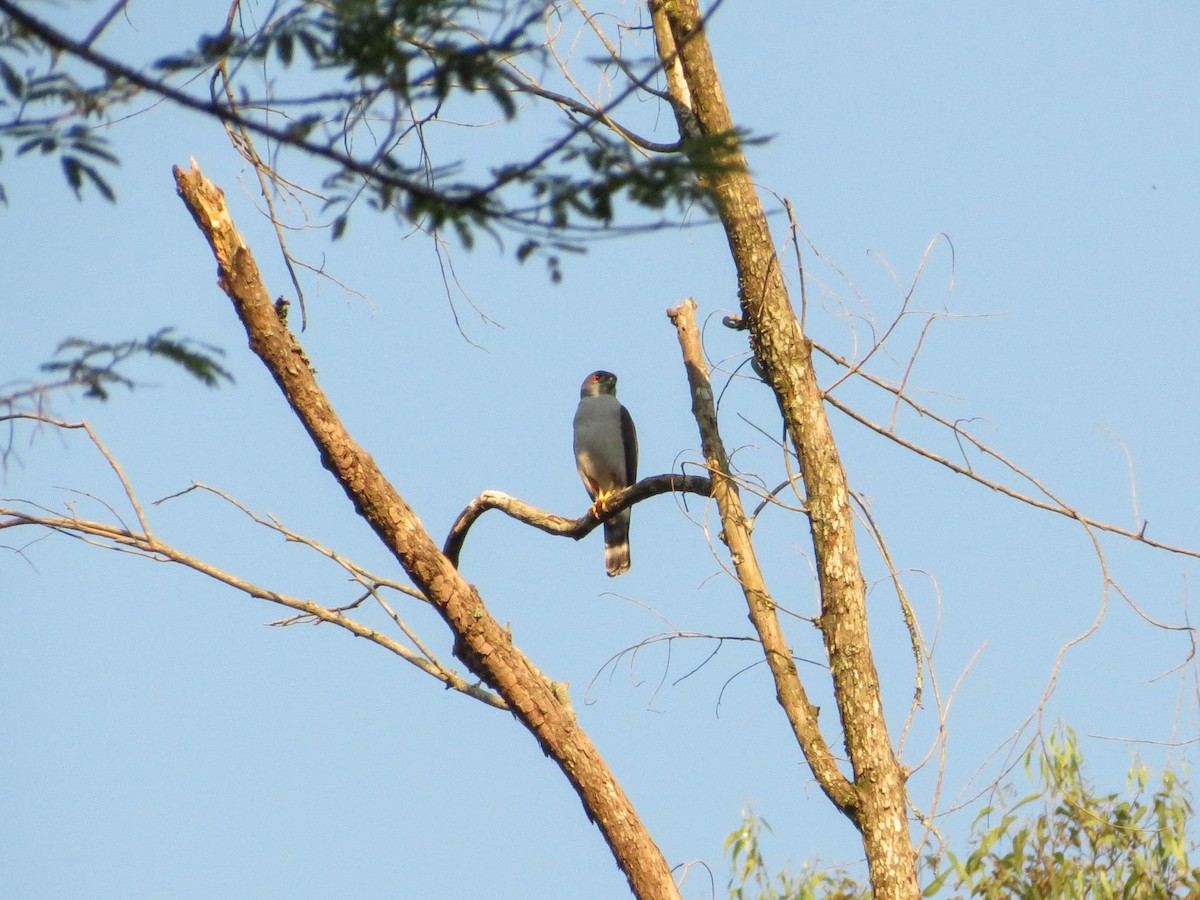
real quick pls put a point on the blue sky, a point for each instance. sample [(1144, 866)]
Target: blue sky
[(162, 742)]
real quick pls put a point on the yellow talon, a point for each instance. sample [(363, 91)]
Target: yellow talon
[(600, 502)]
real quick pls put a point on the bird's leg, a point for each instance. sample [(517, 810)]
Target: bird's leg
[(600, 501)]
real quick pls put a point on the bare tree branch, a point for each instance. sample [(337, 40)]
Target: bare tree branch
[(1056, 504), (145, 543), (879, 809), (801, 713), (487, 648), (575, 529)]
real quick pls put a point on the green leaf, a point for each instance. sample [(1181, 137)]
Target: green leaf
[(13, 83), (94, 365), (284, 48)]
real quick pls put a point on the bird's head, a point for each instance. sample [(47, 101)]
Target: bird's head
[(599, 383)]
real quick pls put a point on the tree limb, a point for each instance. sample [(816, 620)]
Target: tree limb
[(735, 532), (576, 529), (785, 356), (1056, 505), (486, 647)]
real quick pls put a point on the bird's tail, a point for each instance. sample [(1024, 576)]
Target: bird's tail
[(616, 545)]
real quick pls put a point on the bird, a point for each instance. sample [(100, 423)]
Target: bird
[(606, 453)]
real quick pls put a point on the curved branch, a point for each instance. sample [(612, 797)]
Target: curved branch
[(557, 525), (528, 86)]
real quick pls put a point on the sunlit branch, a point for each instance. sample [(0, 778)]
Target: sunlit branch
[(540, 704), (265, 173), (790, 691), (576, 529), (367, 579), (143, 542)]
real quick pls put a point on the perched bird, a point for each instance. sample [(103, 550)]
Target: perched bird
[(606, 453)]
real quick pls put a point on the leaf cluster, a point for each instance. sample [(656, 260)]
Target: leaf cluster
[(614, 171), (752, 880), (47, 110), (420, 55), (94, 365), (1062, 841), (358, 85), (1079, 843), (413, 50)]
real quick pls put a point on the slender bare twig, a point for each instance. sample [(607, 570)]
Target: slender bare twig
[(1133, 497), (1057, 506), (910, 619), (113, 537), (793, 230), (144, 542), (669, 639), (104, 22), (243, 142), (367, 579), (902, 313)]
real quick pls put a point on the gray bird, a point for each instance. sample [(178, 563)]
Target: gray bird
[(606, 453)]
